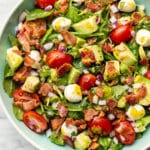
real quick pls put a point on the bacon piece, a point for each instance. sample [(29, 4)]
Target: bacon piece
[(129, 80), (136, 17), (80, 124), (63, 69), (56, 123), (111, 103), (89, 114), (26, 101), (141, 92), (28, 61), (69, 38), (99, 92), (22, 74), (132, 99), (93, 146), (68, 140), (31, 33), (91, 40), (144, 61), (45, 89), (89, 94), (62, 110), (94, 7), (107, 47), (132, 68)]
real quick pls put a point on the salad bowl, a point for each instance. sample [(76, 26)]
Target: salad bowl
[(40, 141)]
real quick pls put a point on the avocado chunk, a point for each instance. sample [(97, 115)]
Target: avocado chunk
[(140, 79), (122, 102), (142, 52), (86, 26), (124, 54), (73, 75), (53, 74), (112, 70), (142, 123), (90, 52), (31, 84), (80, 42), (13, 58), (125, 69), (82, 141)]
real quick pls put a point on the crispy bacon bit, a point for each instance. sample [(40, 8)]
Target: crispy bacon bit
[(63, 69), (56, 123), (45, 89), (94, 7), (107, 47), (89, 114), (144, 61), (136, 17), (21, 74), (87, 57), (68, 140), (26, 101), (94, 146), (28, 61), (89, 94), (31, 32), (129, 80), (111, 103), (113, 82), (132, 99), (116, 15), (69, 38), (142, 91), (132, 68), (80, 124), (62, 110), (91, 40), (99, 92)]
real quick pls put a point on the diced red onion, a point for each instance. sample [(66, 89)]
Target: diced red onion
[(61, 87), (133, 33), (111, 116), (73, 138), (60, 37), (97, 19), (82, 54), (48, 8), (48, 46), (85, 71), (34, 73), (97, 82), (95, 99), (113, 19), (102, 102), (100, 77), (22, 17), (48, 133), (112, 134), (114, 8), (50, 94), (62, 48), (114, 25)]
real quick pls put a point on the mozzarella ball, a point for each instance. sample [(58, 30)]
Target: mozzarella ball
[(143, 37), (127, 5), (68, 130), (136, 112), (61, 23), (73, 93)]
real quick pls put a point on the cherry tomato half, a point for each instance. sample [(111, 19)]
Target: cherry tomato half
[(45, 3), (100, 125), (35, 121), (147, 74), (125, 132), (56, 58), (87, 81), (121, 34)]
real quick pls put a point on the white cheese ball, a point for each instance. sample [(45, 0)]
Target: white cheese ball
[(143, 37), (73, 93), (61, 23), (127, 5), (68, 130), (136, 112)]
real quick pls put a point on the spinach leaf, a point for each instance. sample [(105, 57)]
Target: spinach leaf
[(13, 40), (73, 13), (8, 72), (37, 14), (45, 37), (75, 115), (118, 91), (57, 139), (114, 146), (18, 112), (45, 71), (108, 56), (104, 142), (134, 47), (9, 85)]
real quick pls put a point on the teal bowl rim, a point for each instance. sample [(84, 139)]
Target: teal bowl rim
[(32, 142)]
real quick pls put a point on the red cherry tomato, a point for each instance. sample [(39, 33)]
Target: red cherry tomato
[(26, 101), (125, 132), (45, 3), (35, 121), (147, 74), (56, 58), (100, 125), (87, 81), (121, 34)]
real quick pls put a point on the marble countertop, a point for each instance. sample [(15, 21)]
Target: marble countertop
[(10, 138)]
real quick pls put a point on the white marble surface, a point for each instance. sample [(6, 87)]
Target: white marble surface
[(10, 139)]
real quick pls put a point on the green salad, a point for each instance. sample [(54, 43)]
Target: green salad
[(78, 72)]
